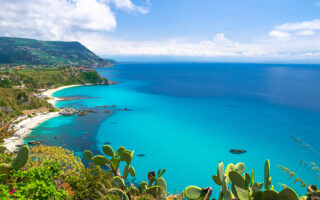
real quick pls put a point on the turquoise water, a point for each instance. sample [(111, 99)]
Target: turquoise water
[(185, 117)]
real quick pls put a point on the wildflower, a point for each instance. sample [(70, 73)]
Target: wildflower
[(12, 191)]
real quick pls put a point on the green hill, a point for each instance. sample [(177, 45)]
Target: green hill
[(17, 51)]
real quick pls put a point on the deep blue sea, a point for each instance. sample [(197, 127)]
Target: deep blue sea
[(185, 117)]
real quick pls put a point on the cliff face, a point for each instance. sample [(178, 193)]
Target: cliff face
[(16, 51)]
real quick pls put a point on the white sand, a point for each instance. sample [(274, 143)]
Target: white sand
[(23, 128), (50, 92)]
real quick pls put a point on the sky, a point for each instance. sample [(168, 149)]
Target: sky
[(215, 30)]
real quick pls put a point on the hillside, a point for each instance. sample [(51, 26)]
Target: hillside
[(18, 88), (17, 51)]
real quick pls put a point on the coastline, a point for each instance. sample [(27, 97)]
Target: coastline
[(26, 124)]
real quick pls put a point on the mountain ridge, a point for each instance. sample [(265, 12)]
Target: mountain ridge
[(18, 51)]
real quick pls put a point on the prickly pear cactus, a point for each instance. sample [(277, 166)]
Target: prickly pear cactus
[(240, 167), (21, 159), (193, 192), (132, 171), (270, 195), (288, 193), (126, 171), (257, 186), (143, 186), (134, 191), (4, 168), (230, 167), (267, 181), (220, 172), (100, 160), (108, 150), (87, 155), (162, 183), (154, 191), (126, 156), (117, 182), (216, 180), (120, 150), (237, 179), (119, 193)]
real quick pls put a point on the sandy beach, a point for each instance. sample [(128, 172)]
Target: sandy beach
[(26, 124), (50, 92)]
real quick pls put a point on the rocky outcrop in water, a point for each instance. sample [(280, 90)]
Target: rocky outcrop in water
[(68, 111)]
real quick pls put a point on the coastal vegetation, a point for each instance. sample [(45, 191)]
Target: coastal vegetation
[(22, 51), (21, 90), (44, 172)]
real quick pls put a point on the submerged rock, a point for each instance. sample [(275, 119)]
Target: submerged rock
[(34, 142), (68, 111), (83, 113), (237, 151)]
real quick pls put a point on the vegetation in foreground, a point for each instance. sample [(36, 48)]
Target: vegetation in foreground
[(44, 172)]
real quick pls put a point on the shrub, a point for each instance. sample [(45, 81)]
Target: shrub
[(91, 180), (70, 165), (36, 182)]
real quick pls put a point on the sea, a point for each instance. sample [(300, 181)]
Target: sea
[(186, 117)]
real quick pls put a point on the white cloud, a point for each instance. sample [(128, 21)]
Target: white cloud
[(306, 25), (219, 46), (317, 4), (59, 19), (128, 5), (88, 21), (306, 33), (279, 34)]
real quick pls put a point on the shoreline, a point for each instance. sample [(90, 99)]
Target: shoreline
[(26, 124)]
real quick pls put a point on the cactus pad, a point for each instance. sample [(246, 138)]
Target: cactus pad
[(143, 186), (134, 191), (115, 163), (126, 156), (87, 155), (4, 168), (216, 180), (230, 167), (119, 193), (257, 186), (126, 171), (270, 195), (108, 150), (220, 172), (21, 159), (237, 179), (100, 160), (154, 191), (132, 171), (267, 175), (240, 167), (162, 183), (288, 193), (117, 182), (193, 192), (120, 150)]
